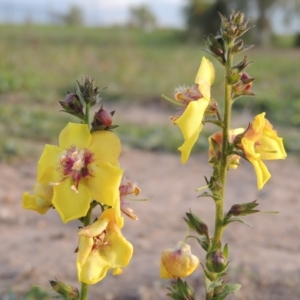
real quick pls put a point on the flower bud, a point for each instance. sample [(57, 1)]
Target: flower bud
[(243, 209), (197, 224), (237, 47), (103, 117), (103, 120), (88, 92), (72, 105), (178, 261), (216, 261), (239, 18), (247, 81), (67, 291)]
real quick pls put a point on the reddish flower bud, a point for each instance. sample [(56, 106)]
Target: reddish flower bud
[(247, 81), (103, 117)]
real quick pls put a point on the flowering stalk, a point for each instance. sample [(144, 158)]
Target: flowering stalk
[(219, 201), (258, 142), (74, 177)]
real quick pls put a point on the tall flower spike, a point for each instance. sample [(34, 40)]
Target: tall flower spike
[(190, 122), (83, 168), (260, 142), (102, 247)]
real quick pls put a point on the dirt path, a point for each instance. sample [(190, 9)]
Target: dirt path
[(265, 259)]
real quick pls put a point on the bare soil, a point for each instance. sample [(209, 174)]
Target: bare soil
[(265, 259)]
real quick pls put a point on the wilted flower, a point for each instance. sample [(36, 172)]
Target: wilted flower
[(128, 187), (178, 261), (215, 147)]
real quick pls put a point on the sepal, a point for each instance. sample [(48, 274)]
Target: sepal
[(180, 290)]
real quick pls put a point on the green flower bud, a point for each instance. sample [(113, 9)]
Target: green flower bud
[(72, 105), (197, 224), (216, 261), (67, 291)]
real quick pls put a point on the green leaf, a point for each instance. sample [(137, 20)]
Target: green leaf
[(203, 242), (226, 251), (228, 289), (235, 219), (206, 194)]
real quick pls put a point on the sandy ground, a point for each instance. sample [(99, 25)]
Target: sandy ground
[(265, 259)]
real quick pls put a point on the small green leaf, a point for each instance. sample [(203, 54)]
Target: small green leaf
[(228, 289), (203, 243), (235, 219), (226, 251), (206, 194)]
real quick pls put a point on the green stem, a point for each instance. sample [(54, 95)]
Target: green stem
[(84, 286), (87, 114), (84, 291), (222, 172), (223, 163)]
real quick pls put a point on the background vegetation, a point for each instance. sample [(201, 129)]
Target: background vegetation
[(38, 64)]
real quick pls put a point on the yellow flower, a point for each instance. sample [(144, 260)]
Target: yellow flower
[(102, 247), (260, 142), (197, 99), (178, 261), (83, 168), (215, 154), (41, 200)]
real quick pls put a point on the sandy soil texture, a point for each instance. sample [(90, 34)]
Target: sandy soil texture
[(265, 259)]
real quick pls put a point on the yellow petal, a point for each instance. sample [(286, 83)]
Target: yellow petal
[(271, 148), (93, 270), (106, 146), (248, 149), (190, 123), (41, 201), (104, 182), (84, 249), (119, 217), (69, 204), (163, 272), (119, 251), (117, 271), (75, 135), (205, 77), (262, 173), (34, 203), (206, 71), (94, 229), (259, 122), (48, 165)]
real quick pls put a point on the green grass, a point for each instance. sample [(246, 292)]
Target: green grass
[(38, 64)]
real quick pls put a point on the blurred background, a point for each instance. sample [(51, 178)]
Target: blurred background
[(137, 50)]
